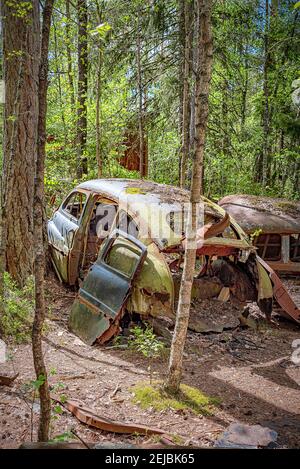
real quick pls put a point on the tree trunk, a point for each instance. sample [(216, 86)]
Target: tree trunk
[(194, 61), (38, 210), (58, 72), (142, 149), (82, 168), (245, 91), (69, 55), (201, 111), (21, 67), (262, 163), (180, 79), (186, 98), (98, 102)]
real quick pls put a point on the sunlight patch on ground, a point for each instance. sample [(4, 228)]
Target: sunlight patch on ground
[(189, 398)]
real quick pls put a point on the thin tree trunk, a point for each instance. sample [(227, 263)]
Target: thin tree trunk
[(142, 152), (194, 61), (245, 92), (69, 55), (98, 103), (186, 98), (266, 115), (58, 73), (20, 32), (180, 80), (98, 115), (201, 102), (38, 210), (82, 88)]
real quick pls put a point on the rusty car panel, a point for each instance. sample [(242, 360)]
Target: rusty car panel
[(290, 310)]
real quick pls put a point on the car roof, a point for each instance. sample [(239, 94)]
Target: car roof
[(136, 189), (271, 215), (144, 191)]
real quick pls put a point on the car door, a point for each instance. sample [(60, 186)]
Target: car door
[(64, 230), (97, 310)]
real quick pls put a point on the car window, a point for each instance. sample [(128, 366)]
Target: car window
[(102, 219), (269, 246), (74, 204), (295, 247), (126, 223)]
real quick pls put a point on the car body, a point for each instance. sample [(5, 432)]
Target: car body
[(274, 225), (123, 242)]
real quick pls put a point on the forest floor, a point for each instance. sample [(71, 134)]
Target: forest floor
[(250, 371)]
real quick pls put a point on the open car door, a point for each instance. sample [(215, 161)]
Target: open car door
[(98, 308)]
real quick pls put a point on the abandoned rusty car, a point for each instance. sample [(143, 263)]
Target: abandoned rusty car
[(274, 225), (122, 241)]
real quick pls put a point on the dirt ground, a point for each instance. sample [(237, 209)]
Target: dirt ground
[(249, 370)]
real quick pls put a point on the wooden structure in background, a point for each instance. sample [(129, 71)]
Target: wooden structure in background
[(131, 156)]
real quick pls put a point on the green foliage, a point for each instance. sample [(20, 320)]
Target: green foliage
[(16, 320), (19, 9), (235, 137), (255, 234), (66, 436), (36, 384), (189, 398), (145, 342), (101, 30)]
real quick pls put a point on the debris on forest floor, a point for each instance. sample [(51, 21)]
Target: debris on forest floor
[(7, 380), (89, 417), (213, 316), (162, 442), (248, 369), (246, 436)]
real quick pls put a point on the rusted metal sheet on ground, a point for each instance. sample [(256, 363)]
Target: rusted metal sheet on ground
[(88, 417), (8, 380)]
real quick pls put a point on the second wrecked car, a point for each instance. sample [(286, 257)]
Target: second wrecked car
[(123, 242)]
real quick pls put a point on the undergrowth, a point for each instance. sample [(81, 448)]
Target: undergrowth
[(16, 319)]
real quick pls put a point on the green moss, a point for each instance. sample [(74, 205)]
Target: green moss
[(189, 398), (135, 190)]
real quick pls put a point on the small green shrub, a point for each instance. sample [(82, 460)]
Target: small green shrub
[(16, 320), (146, 343)]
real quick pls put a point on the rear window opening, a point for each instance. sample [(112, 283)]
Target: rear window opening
[(269, 246), (295, 248)]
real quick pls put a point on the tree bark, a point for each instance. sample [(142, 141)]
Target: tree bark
[(180, 79), (140, 88), (201, 103), (186, 98), (98, 102), (69, 55), (21, 67), (58, 72), (82, 167), (262, 163), (38, 210)]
